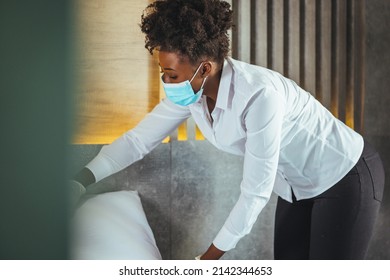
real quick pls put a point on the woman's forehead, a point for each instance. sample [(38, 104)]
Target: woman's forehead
[(173, 61)]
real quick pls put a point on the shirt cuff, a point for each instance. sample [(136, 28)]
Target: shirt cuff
[(99, 167), (225, 240)]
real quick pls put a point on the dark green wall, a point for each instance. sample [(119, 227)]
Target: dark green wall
[(35, 87)]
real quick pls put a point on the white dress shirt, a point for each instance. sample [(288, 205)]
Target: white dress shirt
[(289, 141)]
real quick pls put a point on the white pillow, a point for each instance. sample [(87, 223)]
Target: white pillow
[(113, 226)]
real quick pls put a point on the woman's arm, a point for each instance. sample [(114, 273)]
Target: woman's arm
[(263, 122), (136, 143)]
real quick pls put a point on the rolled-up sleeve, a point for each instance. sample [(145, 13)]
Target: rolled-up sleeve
[(263, 122), (136, 143)]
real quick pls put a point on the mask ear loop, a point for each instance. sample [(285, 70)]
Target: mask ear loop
[(204, 81), (196, 72)]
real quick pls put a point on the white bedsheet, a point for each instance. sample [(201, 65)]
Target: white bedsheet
[(112, 226)]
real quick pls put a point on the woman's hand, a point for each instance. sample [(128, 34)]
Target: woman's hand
[(212, 253)]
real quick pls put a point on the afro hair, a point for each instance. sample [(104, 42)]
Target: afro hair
[(196, 29)]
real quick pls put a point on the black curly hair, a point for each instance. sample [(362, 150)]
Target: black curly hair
[(196, 29)]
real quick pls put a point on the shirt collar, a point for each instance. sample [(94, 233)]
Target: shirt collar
[(224, 86)]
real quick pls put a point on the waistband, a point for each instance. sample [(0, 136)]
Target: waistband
[(368, 150)]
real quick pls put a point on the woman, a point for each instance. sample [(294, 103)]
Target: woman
[(329, 180)]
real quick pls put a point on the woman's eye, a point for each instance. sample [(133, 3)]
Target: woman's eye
[(170, 77), (167, 79)]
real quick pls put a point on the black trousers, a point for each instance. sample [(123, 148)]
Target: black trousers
[(337, 224)]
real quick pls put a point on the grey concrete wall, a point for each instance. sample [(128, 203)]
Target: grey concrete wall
[(377, 109)]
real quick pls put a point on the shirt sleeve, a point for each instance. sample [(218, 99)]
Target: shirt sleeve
[(136, 143), (263, 121)]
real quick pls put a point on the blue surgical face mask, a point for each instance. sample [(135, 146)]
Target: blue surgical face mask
[(182, 93)]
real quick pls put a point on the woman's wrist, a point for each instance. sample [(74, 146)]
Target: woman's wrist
[(212, 253), (85, 177)]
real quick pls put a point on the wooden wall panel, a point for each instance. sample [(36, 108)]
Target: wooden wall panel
[(339, 58), (350, 74), (259, 46), (359, 22), (292, 33), (308, 50), (118, 78), (276, 58), (323, 52), (317, 43), (242, 38)]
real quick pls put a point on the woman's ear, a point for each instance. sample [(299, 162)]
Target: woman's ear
[(207, 67)]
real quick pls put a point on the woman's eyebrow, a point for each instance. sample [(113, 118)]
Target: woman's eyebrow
[(169, 69)]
